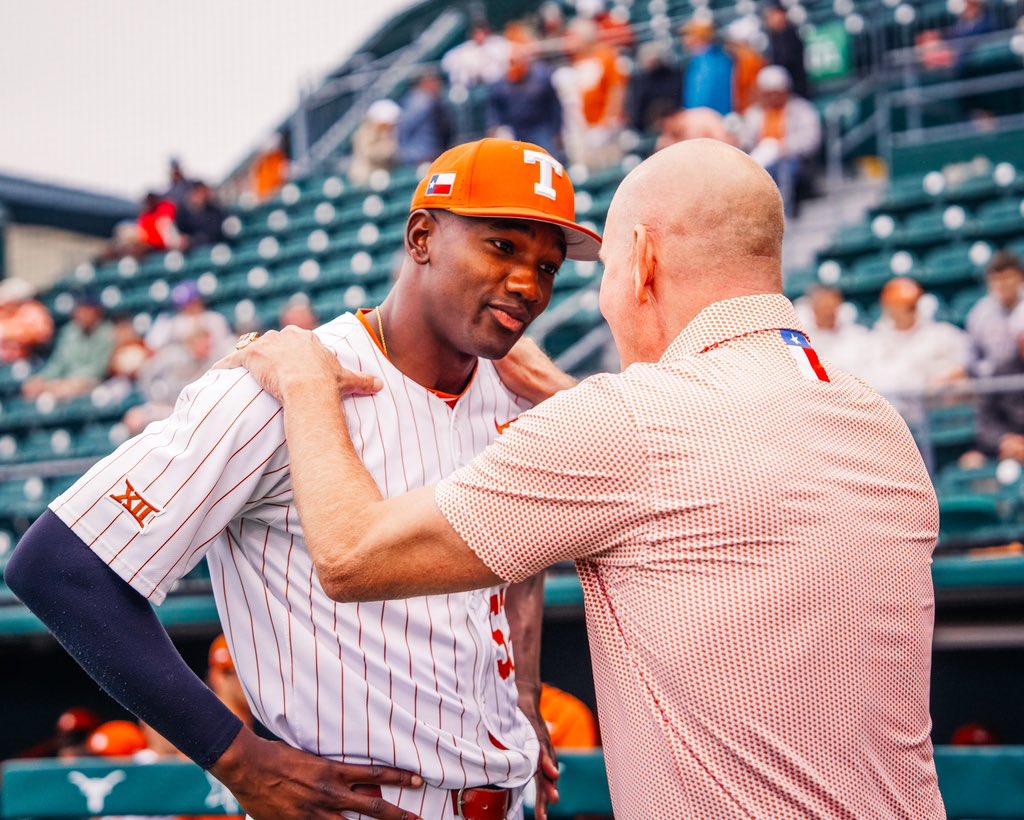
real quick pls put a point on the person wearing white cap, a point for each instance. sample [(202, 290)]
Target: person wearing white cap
[(375, 142), (781, 131)]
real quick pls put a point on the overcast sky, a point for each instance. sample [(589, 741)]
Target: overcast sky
[(99, 93)]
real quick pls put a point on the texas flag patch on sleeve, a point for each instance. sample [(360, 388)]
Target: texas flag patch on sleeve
[(807, 361), (441, 185)]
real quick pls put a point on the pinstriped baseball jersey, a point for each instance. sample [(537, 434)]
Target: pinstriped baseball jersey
[(425, 684)]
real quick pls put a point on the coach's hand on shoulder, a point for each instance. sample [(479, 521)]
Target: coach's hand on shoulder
[(528, 372), (273, 781), (294, 362)]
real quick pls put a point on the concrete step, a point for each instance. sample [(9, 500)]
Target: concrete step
[(844, 203)]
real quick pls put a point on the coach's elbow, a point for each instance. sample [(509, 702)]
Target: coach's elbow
[(345, 578)]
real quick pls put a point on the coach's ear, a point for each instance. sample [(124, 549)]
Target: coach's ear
[(420, 226), (643, 263)]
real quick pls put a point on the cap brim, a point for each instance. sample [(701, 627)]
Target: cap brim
[(581, 244)]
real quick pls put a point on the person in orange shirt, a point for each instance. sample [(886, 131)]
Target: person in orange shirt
[(747, 62), (594, 96), (270, 169), (25, 324), (572, 725)]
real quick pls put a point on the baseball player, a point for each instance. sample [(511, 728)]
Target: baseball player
[(418, 697)]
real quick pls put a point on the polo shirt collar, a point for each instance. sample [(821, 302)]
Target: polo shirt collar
[(722, 321)]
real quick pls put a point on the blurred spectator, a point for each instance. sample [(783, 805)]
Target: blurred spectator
[(593, 94), (117, 738), (974, 19), (572, 725), (81, 357), (552, 21), (190, 312), (179, 186), (25, 324), (911, 351), (988, 324), (524, 104), (1000, 423), (696, 123), (299, 313), (375, 142), (940, 48), (157, 231), (786, 48), (783, 133), (747, 61), (656, 88), (270, 168), (833, 330), (613, 29), (481, 60), (200, 220), (708, 70), (223, 680), (425, 125), (162, 377), (130, 352), (72, 729)]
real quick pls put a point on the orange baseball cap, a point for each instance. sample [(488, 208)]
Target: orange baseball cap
[(507, 179), (117, 738), (220, 655), (900, 292)]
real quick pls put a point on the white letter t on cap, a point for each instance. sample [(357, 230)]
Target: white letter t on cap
[(547, 165)]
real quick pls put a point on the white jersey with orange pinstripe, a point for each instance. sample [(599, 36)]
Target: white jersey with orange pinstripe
[(425, 684)]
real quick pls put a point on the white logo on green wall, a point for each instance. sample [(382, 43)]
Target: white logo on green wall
[(96, 789), (827, 52)]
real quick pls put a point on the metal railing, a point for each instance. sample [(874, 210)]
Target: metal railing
[(896, 85)]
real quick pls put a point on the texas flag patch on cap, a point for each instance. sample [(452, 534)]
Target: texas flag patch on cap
[(441, 185), (807, 361)]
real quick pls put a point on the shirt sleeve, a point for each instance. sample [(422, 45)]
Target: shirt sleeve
[(563, 482), (152, 508)]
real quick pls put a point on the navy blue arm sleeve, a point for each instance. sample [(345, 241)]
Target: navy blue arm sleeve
[(114, 634)]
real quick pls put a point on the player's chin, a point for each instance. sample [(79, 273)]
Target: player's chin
[(494, 346)]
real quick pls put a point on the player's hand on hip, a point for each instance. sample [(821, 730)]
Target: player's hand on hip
[(528, 372), (293, 360), (273, 781)]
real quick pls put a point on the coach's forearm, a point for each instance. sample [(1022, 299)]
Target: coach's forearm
[(366, 547), (334, 493), (116, 637)]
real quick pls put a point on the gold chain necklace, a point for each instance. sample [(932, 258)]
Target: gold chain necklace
[(380, 330)]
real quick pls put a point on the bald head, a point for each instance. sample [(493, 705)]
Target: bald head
[(709, 197), (699, 222)]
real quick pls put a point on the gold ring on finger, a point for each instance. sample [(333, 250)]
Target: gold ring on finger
[(246, 339)]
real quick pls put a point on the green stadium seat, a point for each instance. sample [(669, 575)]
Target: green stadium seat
[(854, 240), (962, 304), (1000, 220), (951, 432), (975, 517), (932, 227), (905, 194)]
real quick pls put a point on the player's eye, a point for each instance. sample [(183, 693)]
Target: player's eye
[(548, 269), (503, 245)]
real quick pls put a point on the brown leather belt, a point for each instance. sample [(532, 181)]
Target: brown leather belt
[(480, 803)]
